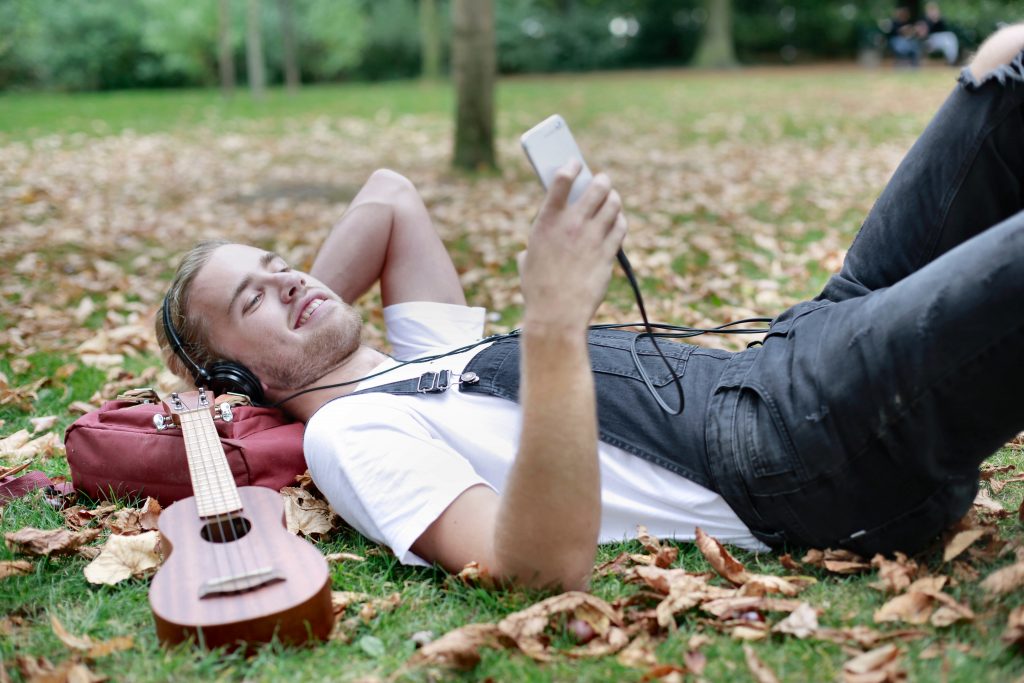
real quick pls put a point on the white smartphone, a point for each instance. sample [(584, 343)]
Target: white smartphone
[(549, 146)]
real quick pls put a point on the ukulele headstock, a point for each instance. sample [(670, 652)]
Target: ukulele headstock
[(189, 402)]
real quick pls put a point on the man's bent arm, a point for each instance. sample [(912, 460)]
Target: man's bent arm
[(543, 530), (386, 234)]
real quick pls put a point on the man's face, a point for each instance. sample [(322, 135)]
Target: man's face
[(284, 325)]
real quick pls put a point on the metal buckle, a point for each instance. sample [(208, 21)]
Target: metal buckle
[(434, 382)]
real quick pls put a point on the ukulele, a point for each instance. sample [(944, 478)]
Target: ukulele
[(234, 575)]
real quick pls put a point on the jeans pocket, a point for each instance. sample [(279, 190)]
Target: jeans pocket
[(763, 437)]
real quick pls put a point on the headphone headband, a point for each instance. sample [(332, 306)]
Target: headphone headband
[(199, 373)]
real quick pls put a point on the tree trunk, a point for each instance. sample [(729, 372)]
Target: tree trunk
[(430, 40), (473, 66), (291, 58), (254, 51), (225, 55), (716, 50)]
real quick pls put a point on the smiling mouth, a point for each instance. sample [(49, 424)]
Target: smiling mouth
[(308, 311)]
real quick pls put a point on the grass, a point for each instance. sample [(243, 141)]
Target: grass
[(723, 116)]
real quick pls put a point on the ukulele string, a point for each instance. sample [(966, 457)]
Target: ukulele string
[(199, 436), (228, 489)]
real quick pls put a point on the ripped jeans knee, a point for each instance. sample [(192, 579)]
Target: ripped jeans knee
[(1012, 71)]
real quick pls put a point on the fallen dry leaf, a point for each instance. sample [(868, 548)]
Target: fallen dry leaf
[(306, 515), (720, 560), (880, 665), (1014, 632), (123, 557), (661, 554), (1004, 580), (894, 575), (473, 575), (344, 557), (46, 542), (640, 652), (526, 627), (836, 561), (14, 568), (86, 645), (986, 504), (149, 515), (759, 670), (41, 424), (801, 622), (458, 649), (961, 541), (13, 442)]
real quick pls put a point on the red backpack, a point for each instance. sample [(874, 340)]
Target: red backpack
[(117, 451)]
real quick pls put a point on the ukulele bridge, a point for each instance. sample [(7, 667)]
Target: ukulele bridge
[(239, 583)]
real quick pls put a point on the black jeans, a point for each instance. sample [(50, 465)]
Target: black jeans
[(862, 420)]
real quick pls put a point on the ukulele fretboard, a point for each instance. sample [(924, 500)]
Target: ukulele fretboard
[(212, 483)]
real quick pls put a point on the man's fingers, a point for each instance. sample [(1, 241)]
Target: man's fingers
[(595, 195), (558, 193), (611, 208)]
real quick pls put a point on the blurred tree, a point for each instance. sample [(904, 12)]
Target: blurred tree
[(716, 46), (332, 37), (254, 50), (473, 71), (291, 58), (225, 51), (430, 40)]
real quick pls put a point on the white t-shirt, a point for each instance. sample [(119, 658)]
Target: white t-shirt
[(390, 465)]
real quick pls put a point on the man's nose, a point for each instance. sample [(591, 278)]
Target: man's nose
[(293, 285)]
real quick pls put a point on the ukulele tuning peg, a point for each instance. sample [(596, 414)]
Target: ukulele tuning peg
[(162, 422), (224, 412)]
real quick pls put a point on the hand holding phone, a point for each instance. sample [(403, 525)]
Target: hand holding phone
[(549, 146)]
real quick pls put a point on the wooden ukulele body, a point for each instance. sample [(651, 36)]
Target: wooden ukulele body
[(220, 590)]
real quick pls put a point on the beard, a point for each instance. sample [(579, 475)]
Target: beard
[(326, 349)]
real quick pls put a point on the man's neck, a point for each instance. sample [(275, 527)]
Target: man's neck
[(356, 366)]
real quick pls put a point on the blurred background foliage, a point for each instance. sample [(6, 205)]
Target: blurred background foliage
[(117, 44)]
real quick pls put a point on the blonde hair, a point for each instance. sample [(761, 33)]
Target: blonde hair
[(192, 330)]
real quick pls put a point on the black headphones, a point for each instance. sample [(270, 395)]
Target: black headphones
[(222, 376)]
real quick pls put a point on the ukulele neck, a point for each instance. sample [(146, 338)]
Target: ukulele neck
[(212, 483)]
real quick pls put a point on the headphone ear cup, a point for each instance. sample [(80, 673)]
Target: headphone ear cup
[(228, 376)]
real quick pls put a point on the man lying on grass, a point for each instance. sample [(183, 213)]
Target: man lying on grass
[(859, 423)]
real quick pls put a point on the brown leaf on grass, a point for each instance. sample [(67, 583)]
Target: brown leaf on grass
[(526, 627), (459, 649), (305, 514), (640, 652), (1014, 632), (42, 424), (79, 516), (758, 669), (344, 557), (84, 644), (473, 575), (665, 673), (734, 607), (123, 557), (149, 515), (763, 584), (11, 443), (866, 637), (695, 661), (126, 522), (961, 541), (789, 563), (46, 542), (894, 575), (81, 407), (986, 504), (375, 606), (14, 568), (342, 600), (1004, 580), (618, 565), (880, 665), (720, 560), (836, 561), (912, 607), (660, 554), (801, 622)]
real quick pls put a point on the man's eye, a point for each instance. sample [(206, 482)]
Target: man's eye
[(252, 302)]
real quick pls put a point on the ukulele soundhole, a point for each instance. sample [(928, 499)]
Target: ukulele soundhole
[(225, 530)]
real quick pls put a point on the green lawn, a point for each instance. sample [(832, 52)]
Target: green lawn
[(743, 189)]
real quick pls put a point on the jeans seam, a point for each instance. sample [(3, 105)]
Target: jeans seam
[(947, 201)]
